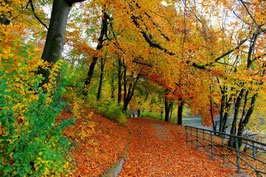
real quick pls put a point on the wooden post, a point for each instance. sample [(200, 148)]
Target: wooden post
[(212, 151), (237, 155), (203, 137), (197, 133), (186, 134), (254, 150)]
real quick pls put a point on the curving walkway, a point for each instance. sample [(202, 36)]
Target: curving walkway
[(158, 148)]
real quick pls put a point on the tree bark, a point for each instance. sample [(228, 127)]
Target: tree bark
[(119, 81), (126, 102), (128, 93), (179, 113), (95, 59), (243, 122), (55, 38), (101, 80), (125, 89), (222, 108), (56, 34), (231, 142), (225, 114), (167, 109), (212, 116), (112, 88)]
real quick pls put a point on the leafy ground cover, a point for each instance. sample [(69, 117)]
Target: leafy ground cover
[(99, 143), (158, 148)]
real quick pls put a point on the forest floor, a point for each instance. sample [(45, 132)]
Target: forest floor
[(99, 142), (156, 148)]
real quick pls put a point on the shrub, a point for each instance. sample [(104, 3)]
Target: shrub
[(73, 77), (109, 108), (31, 140)]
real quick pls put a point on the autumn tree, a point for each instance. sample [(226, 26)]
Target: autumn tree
[(56, 34)]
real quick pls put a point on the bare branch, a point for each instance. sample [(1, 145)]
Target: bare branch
[(35, 15)]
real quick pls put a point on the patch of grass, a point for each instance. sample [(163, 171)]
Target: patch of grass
[(152, 115)]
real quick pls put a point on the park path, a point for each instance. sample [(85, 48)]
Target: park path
[(158, 148)]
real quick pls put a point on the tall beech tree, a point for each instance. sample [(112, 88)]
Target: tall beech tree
[(54, 43), (243, 93)]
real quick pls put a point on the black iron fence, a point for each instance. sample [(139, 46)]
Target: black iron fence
[(247, 155)]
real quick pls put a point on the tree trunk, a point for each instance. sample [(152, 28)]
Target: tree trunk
[(126, 102), (138, 112), (128, 93), (55, 38), (171, 113), (243, 122), (125, 82), (231, 142), (94, 59), (112, 88), (222, 108), (225, 115), (101, 79), (212, 116), (179, 113), (90, 73), (119, 81), (167, 108)]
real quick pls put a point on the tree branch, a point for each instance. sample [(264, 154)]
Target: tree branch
[(155, 45), (226, 53), (35, 15), (259, 26)]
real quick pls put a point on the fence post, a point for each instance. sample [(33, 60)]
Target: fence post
[(203, 137), (186, 134), (237, 155), (254, 150), (191, 136), (212, 145), (197, 132)]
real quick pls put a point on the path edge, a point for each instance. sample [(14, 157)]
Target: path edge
[(116, 169)]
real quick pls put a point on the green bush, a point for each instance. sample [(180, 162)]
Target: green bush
[(31, 139), (73, 77), (37, 147), (109, 108)]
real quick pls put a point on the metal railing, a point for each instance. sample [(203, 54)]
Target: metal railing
[(247, 155)]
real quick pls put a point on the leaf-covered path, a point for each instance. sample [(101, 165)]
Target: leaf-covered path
[(159, 148)]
